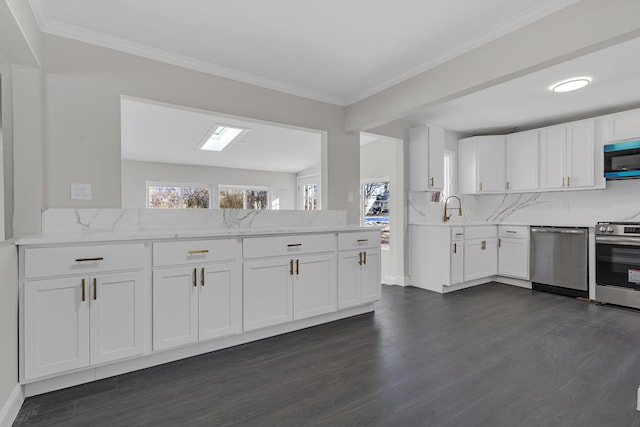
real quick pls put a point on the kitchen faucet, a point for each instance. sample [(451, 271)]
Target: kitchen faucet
[(446, 217)]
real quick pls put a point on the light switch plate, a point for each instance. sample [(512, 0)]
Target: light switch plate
[(81, 191)]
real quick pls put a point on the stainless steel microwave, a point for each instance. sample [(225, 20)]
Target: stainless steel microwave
[(622, 160)]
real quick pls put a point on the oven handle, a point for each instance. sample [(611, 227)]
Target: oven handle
[(617, 241)]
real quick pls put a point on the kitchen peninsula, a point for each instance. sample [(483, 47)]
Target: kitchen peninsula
[(108, 291)]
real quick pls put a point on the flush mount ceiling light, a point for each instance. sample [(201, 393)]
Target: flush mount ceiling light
[(220, 136), (571, 84)]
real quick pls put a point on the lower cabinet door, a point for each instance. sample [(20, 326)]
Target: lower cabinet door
[(175, 307), (315, 285), (56, 326), (117, 319), (457, 262), (220, 300), (267, 292), (349, 266), (480, 258), (513, 258), (370, 276)]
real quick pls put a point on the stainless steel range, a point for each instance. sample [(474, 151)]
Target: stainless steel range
[(618, 263)]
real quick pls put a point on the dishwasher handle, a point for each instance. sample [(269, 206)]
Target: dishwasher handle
[(557, 230)]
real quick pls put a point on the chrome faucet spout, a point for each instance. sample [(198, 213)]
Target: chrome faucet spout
[(446, 217)]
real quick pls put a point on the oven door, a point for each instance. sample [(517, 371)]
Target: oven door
[(618, 261)]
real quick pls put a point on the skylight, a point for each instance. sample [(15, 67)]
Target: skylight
[(220, 136)]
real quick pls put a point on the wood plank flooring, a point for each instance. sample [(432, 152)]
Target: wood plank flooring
[(493, 355)]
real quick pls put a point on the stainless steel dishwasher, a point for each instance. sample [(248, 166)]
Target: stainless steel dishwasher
[(559, 260)]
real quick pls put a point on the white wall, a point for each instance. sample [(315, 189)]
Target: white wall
[(135, 174), (379, 159), (82, 90), (8, 321)]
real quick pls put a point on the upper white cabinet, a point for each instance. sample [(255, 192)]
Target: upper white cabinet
[(624, 126), (482, 164), (522, 161), (567, 156), (426, 158)]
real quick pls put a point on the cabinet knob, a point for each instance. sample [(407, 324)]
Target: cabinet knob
[(483, 245), (508, 185), (431, 182), (480, 186)]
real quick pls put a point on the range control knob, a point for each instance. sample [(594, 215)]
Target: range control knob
[(602, 228), (610, 229)]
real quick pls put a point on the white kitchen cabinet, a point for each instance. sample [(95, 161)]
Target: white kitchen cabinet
[(457, 255), (513, 251), (482, 164), (283, 288), (522, 161), (567, 156), (198, 301), (358, 269), (84, 319), (480, 252), (80, 321), (426, 158), (623, 126)]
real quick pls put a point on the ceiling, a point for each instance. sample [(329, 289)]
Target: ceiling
[(341, 52), (332, 50), (157, 132)]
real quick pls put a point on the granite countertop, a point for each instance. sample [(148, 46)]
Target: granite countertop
[(106, 236)]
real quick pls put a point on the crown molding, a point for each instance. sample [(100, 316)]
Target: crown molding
[(523, 19), (47, 25)]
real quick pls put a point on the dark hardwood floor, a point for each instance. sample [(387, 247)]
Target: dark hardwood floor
[(492, 355)]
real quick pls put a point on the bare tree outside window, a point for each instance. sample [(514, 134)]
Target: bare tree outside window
[(175, 197), (231, 199), (244, 198)]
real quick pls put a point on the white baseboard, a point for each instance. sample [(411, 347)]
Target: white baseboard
[(638, 407), (396, 280), (11, 407)]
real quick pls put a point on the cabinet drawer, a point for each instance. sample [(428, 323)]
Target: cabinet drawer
[(196, 251), (258, 247), (516, 232), (457, 233), (45, 262), (480, 232), (358, 239)]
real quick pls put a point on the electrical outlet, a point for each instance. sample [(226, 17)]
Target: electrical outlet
[(81, 191)]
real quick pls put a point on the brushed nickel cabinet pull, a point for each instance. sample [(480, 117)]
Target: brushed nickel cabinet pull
[(294, 245), (297, 266), (455, 248), (202, 277), (195, 279), (83, 292), (291, 267), (95, 289), (198, 251), (89, 259), (362, 240)]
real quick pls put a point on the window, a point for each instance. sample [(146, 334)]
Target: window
[(449, 161), (309, 192), (375, 206), (234, 197), (175, 196)]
